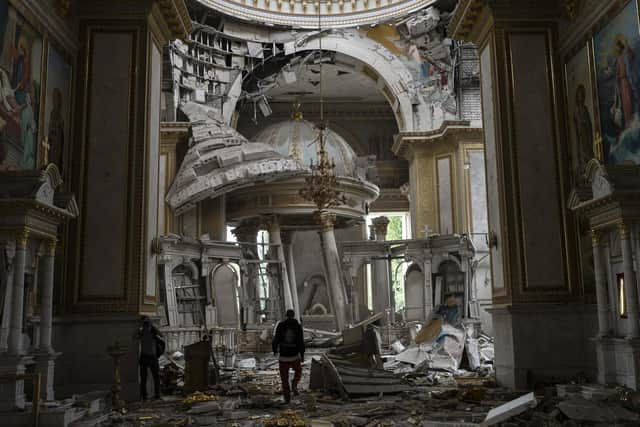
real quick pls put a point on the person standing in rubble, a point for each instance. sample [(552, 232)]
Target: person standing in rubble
[(289, 342), (151, 347)]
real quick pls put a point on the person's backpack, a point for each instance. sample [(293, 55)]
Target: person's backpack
[(289, 338), (161, 346)]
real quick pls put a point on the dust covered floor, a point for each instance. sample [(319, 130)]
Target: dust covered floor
[(251, 397)]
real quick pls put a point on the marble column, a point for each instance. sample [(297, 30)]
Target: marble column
[(247, 235), (9, 253), (601, 285), (287, 240), (334, 276), (275, 239), (355, 293), (46, 292), (45, 356), (15, 328), (325, 271), (380, 270), (13, 362), (630, 287)]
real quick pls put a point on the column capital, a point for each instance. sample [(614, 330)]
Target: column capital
[(247, 230), (623, 229), (50, 247), (326, 219), (380, 224), (22, 238), (9, 248), (287, 236), (595, 237), (270, 222)]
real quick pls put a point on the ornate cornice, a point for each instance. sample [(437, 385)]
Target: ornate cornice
[(177, 16), (465, 18), (303, 13), (403, 141)]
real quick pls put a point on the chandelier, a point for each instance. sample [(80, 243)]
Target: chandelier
[(321, 187)]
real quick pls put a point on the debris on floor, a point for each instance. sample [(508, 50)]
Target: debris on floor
[(437, 375)]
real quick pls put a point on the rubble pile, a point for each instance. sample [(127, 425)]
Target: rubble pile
[(443, 345), (438, 375)]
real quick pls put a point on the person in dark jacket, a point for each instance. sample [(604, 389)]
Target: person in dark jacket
[(148, 336), (289, 342)]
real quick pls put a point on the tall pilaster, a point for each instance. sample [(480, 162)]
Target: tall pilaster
[(17, 298), (287, 240), (334, 276), (601, 285), (531, 230), (113, 269), (630, 285)]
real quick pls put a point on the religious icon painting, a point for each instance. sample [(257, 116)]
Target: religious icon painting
[(57, 108), (20, 86), (580, 104), (617, 63)]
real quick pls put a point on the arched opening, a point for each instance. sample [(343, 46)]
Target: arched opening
[(224, 289), (414, 293)]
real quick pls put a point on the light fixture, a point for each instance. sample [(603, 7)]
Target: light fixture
[(321, 187)]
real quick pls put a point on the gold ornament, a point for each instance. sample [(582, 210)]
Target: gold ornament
[(623, 230), (22, 238)]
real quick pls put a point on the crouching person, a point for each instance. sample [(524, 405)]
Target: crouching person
[(289, 342)]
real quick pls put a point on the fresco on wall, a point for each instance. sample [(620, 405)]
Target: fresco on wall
[(57, 106), (617, 56), (20, 70), (581, 107), (420, 42)]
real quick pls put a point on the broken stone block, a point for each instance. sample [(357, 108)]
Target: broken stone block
[(596, 412), (205, 408), (510, 409)]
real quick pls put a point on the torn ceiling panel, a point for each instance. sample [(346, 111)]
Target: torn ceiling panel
[(220, 160)]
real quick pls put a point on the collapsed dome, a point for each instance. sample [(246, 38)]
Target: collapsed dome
[(299, 139)]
